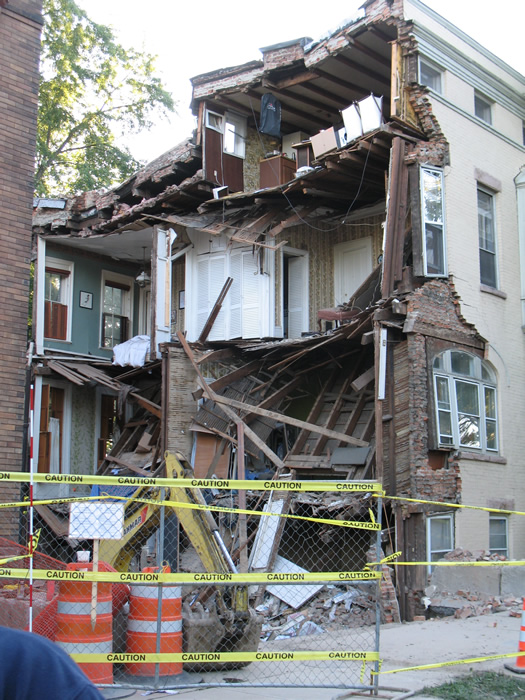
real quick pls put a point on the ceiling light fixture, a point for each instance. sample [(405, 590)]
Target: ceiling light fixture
[(143, 279)]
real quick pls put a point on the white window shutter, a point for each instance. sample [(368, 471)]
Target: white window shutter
[(216, 280), (296, 301), (250, 297), (234, 296), (203, 264), (163, 290)]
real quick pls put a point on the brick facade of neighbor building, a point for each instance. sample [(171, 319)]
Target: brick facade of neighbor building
[(20, 27)]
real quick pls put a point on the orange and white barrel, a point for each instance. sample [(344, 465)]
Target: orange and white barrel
[(142, 627), (75, 633)]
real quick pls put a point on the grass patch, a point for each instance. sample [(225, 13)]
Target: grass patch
[(486, 685)]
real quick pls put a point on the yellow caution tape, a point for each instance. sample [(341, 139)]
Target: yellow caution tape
[(6, 561), (386, 560), (454, 505), (452, 563), (35, 538), (476, 660), (231, 656), (229, 484), (207, 578), (356, 524)]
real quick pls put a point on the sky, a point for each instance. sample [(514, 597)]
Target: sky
[(190, 39)]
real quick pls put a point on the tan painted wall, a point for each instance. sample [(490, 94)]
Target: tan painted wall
[(498, 152), (319, 241)]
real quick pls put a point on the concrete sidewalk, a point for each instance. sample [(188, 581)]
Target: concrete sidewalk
[(402, 646)]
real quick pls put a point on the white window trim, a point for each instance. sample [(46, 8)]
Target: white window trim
[(505, 519), (488, 102), (451, 378), (433, 66), (430, 518), (435, 171), (219, 117), (108, 276), (492, 194), (54, 490), (288, 252), (68, 267), (240, 124)]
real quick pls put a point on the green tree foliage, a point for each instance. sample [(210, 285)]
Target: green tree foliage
[(92, 91)]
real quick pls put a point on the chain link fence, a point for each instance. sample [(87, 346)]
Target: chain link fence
[(207, 582)]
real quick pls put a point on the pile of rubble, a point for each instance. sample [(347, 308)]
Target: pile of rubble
[(333, 606), (464, 593)]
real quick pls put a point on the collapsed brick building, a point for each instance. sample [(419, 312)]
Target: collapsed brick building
[(336, 250)]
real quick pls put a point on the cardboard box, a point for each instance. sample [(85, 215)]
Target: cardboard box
[(324, 142)]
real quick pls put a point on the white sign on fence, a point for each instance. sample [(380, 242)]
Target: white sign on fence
[(96, 520)]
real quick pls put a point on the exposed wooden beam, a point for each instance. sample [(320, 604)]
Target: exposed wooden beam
[(227, 379), (339, 81), (153, 408), (215, 311), (332, 114), (227, 410), (289, 82), (385, 61), (282, 418), (384, 79), (327, 95)]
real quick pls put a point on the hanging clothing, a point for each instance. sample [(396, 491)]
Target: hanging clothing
[(270, 115)]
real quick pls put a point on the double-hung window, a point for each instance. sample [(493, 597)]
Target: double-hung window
[(498, 534), (57, 299), (116, 310), (233, 129), (430, 75), (433, 222), (483, 108), (487, 238), (440, 536), (465, 394)]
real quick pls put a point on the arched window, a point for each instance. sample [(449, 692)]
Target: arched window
[(465, 394)]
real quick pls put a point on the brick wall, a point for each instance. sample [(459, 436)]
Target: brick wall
[(20, 25), (437, 303)]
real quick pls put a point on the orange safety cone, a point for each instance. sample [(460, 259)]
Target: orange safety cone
[(519, 667)]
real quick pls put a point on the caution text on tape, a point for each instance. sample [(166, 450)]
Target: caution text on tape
[(215, 578), (211, 657), (230, 484)]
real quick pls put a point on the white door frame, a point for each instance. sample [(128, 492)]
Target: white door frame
[(339, 250), (287, 252)]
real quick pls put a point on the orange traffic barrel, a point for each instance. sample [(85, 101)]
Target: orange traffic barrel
[(75, 633), (519, 667), (142, 626)]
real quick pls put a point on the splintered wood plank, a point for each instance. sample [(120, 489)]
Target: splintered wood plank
[(127, 465), (282, 418), (215, 311), (314, 414), (274, 398), (215, 355), (228, 379), (356, 413), (335, 412), (226, 409), (66, 373), (364, 379), (153, 408)]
